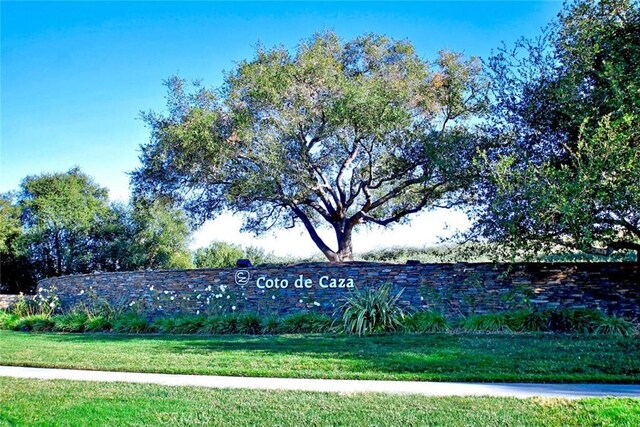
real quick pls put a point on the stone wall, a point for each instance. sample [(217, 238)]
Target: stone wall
[(452, 289), (7, 301)]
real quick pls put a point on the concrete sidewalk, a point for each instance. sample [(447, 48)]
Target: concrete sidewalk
[(521, 390)]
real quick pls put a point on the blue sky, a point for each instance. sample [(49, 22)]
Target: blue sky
[(75, 75)]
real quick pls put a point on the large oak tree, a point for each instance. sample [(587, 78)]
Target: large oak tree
[(565, 170), (334, 134)]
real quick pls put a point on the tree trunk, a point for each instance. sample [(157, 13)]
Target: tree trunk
[(343, 231), (58, 249), (345, 247)]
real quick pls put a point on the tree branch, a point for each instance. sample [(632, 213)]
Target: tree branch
[(326, 250)]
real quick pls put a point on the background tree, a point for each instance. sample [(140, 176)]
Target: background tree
[(334, 134), (62, 214), (145, 235), (156, 237), (222, 254), (565, 169), (63, 223), (218, 255), (16, 272)]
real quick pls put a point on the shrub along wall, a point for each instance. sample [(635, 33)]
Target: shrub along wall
[(451, 289)]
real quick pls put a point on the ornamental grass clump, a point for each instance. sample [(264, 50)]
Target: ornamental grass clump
[(97, 324), (271, 325), (34, 322), (613, 325), (130, 323), (305, 323), (372, 311), (528, 321), (163, 325), (187, 324), (490, 322), (249, 323), (577, 320), (425, 322), (70, 322), (220, 325)]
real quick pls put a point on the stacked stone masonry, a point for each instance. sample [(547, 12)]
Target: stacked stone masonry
[(6, 301), (452, 289)]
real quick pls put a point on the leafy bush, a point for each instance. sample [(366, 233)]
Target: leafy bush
[(8, 320), (371, 311), (34, 322), (490, 322), (613, 325), (305, 323), (249, 323), (97, 324), (528, 321), (130, 323), (70, 322), (425, 321)]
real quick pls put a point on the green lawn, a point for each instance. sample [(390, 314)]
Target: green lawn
[(439, 357), (69, 403)]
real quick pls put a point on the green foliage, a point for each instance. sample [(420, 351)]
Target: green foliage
[(8, 320), (305, 323), (528, 321), (63, 223), (580, 320), (25, 307), (566, 122), (70, 322), (218, 255), (222, 254), (62, 214), (564, 320), (372, 310), (224, 324), (97, 324), (433, 254), (164, 325), (161, 236), (271, 325), (336, 133), (44, 302), (130, 323), (491, 322), (18, 274), (425, 322), (34, 322), (613, 325), (188, 324), (249, 323)]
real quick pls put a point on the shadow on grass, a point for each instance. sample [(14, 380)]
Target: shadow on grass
[(491, 357)]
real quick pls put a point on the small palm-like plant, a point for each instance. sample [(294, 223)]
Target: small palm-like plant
[(372, 310)]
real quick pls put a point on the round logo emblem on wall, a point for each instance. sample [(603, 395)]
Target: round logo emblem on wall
[(242, 277)]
